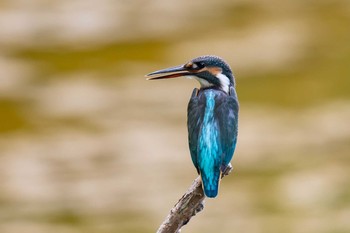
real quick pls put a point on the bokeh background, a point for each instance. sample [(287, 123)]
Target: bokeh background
[(88, 145)]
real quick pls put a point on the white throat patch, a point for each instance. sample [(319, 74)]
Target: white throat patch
[(204, 83)]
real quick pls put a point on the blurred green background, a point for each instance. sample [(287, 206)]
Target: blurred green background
[(88, 145)]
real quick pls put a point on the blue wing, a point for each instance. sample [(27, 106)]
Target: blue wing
[(226, 113), (194, 121)]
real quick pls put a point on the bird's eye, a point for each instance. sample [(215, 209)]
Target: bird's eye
[(200, 65)]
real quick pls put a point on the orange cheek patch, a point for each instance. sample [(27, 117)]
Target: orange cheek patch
[(213, 70)]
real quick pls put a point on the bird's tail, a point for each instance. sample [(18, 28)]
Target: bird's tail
[(211, 183)]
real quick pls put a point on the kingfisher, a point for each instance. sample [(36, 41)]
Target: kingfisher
[(212, 116)]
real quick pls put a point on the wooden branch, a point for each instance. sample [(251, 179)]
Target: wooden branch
[(191, 203)]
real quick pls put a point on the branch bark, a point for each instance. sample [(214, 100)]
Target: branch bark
[(191, 203)]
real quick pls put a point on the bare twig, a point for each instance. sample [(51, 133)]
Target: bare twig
[(188, 206)]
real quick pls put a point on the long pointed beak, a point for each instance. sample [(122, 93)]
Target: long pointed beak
[(172, 72)]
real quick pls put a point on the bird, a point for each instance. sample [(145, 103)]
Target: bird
[(212, 116)]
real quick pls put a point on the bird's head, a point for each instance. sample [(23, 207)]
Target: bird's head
[(210, 71)]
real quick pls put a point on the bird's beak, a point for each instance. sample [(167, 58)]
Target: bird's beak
[(172, 72)]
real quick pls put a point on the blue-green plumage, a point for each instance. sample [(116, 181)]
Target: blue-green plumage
[(212, 118), (212, 132)]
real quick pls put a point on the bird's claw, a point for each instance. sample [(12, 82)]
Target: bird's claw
[(227, 170)]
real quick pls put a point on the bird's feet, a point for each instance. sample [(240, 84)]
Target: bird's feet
[(226, 170)]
